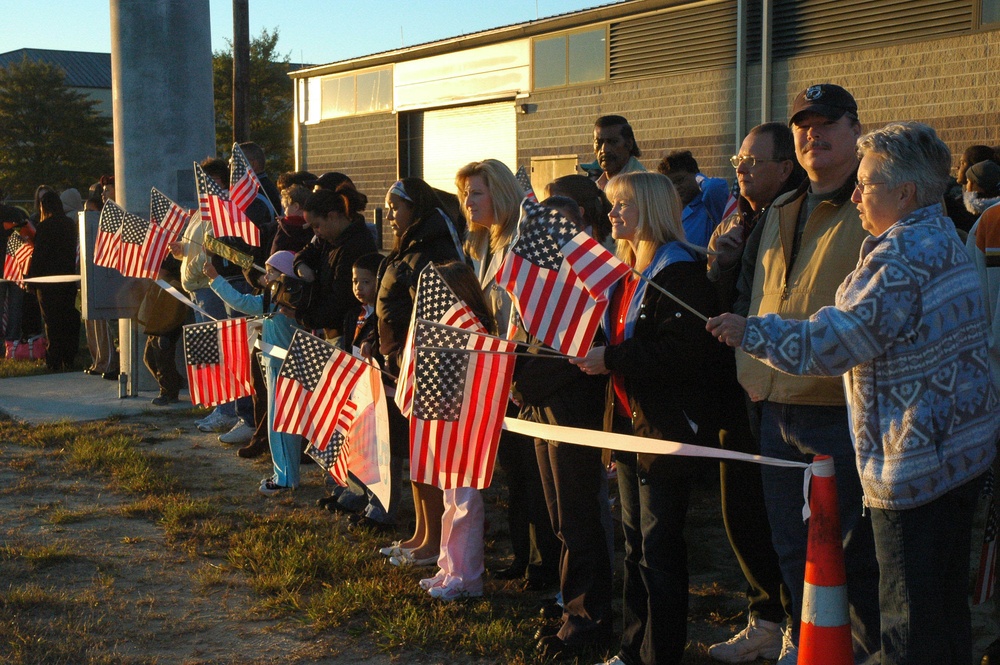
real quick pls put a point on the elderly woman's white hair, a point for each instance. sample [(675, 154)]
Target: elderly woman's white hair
[(910, 152)]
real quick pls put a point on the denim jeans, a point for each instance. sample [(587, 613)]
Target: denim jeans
[(797, 433), (654, 612), (924, 553)]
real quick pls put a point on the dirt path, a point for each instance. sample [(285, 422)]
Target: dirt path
[(142, 599)]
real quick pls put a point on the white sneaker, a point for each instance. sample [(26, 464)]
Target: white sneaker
[(217, 422), (614, 661), (241, 433), (789, 650), (760, 639), (447, 593), (430, 582)]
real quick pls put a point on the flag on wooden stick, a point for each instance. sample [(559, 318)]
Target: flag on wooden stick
[(226, 218), (218, 361), (167, 214)]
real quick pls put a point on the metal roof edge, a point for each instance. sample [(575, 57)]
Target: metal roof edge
[(540, 26)]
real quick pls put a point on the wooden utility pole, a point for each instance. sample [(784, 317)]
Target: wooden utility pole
[(241, 71)]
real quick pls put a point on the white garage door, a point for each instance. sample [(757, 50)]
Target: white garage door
[(454, 137)]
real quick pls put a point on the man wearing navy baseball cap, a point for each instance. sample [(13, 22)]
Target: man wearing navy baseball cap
[(809, 242)]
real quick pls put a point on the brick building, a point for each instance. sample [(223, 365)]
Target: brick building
[(688, 75)]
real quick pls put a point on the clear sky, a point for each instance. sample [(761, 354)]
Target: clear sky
[(310, 31)]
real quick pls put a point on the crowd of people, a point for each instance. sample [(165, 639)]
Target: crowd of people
[(851, 303)]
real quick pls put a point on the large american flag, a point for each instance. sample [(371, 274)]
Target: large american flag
[(243, 182), (143, 247), (19, 251), (227, 219), (167, 214), (107, 247), (461, 383), (558, 277), (314, 383), (218, 361)]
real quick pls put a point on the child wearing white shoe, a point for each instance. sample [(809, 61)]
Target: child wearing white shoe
[(460, 563), (277, 331)]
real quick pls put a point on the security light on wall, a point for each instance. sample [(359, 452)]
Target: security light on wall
[(527, 108)]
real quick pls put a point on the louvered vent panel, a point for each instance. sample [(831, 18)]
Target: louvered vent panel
[(814, 26), (679, 40)]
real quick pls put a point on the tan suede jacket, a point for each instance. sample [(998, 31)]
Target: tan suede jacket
[(829, 251)]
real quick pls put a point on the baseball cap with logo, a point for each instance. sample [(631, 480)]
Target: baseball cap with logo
[(826, 99)]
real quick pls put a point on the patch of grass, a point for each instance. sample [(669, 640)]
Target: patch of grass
[(42, 625), (40, 556), (12, 369)]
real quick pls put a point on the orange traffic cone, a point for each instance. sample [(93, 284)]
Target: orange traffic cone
[(825, 629)]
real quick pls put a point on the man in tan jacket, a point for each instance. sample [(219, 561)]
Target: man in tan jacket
[(809, 243)]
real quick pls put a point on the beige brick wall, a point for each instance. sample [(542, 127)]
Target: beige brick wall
[(363, 147), (687, 111), (951, 84)]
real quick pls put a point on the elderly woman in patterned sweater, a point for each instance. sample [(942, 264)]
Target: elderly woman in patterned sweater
[(909, 334)]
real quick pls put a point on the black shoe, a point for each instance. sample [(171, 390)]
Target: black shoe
[(551, 647), (91, 371), (541, 584), (255, 448), (110, 376), (992, 655), (164, 400), (544, 631), (363, 523), (551, 610), (512, 572), (326, 502)]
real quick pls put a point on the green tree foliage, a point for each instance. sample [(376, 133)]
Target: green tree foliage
[(49, 133), (271, 106)]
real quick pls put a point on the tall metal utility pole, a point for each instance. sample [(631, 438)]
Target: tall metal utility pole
[(241, 71)]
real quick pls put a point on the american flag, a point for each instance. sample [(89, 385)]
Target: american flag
[(226, 218), (732, 203), (314, 384), (333, 455), (106, 248), (525, 181), (558, 278), (243, 183), (143, 247), (218, 361), (435, 303), (459, 394), (167, 214), (19, 251), (986, 577)]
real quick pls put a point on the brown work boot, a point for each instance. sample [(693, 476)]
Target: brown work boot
[(255, 448)]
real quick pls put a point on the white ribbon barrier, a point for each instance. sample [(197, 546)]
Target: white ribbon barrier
[(641, 444), (48, 279), (183, 298)]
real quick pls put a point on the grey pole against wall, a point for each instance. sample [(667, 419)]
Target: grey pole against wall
[(241, 71), (164, 119), (741, 72), (766, 25)]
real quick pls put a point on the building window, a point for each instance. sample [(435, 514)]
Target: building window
[(991, 11), (356, 94), (570, 59)]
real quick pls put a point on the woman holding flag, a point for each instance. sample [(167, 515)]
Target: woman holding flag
[(662, 363), (491, 197)]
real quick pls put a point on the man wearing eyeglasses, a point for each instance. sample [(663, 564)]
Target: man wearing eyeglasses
[(810, 241), (766, 168)]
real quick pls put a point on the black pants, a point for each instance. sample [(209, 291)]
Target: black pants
[(572, 479), (531, 537), (62, 324), (161, 359), (745, 517)]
